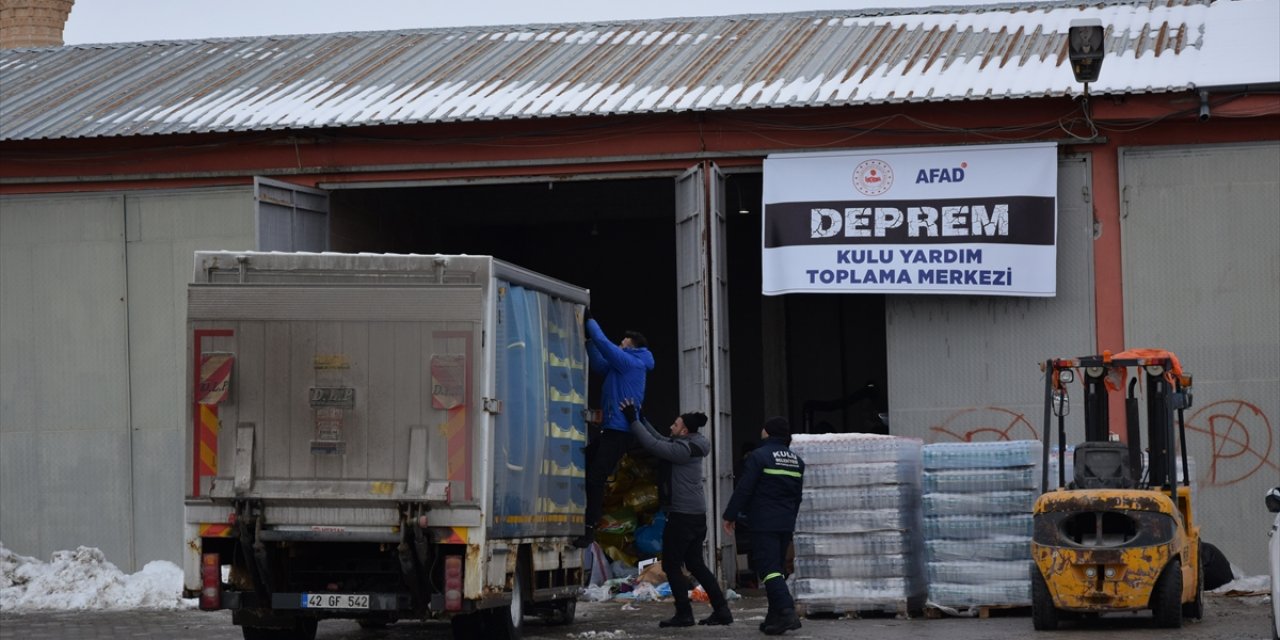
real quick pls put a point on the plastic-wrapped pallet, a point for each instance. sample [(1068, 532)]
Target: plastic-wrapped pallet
[(977, 503), (859, 544)]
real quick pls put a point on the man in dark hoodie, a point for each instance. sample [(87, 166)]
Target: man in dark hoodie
[(625, 366), (768, 495), (680, 486)]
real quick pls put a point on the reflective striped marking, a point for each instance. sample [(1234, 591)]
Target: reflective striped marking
[(215, 530), (456, 535), (209, 425), (772, 576), (783, 472)]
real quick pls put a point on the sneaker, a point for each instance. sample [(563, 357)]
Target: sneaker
[(677, 621), (719, 616), (786, 621)]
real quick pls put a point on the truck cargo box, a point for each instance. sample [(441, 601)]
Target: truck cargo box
[(346, 404)]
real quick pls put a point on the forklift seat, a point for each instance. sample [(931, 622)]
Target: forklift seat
[(1103, 465)]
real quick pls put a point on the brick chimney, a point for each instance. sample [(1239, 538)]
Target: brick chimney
[(33, 23)]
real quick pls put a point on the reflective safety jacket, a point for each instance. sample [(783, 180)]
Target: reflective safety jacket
[(768, 493)]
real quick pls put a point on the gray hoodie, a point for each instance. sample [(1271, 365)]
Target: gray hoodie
[(684, 456)]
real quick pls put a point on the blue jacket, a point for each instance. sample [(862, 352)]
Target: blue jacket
[(624, 373), (769, 491)]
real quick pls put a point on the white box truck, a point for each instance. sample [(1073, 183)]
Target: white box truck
[(382, 437)]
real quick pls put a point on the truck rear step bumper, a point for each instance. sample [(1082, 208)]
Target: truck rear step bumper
[(235, 600)]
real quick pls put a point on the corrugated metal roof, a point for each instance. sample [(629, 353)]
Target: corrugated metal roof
[(676, 64)]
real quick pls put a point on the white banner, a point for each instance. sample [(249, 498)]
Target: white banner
[(965, 220)]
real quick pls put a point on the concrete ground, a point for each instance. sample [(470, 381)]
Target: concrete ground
[(1226, 618)]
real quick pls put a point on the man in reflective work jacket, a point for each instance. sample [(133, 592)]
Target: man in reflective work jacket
[(768, 497)]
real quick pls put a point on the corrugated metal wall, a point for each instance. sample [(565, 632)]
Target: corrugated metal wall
[(64, 377), (965, 367), (92, 363), (1201, 242)]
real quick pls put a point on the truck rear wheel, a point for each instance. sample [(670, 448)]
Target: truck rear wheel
[(467, 627), (302, 629), (1166, 597), (507, 622), (374, 623), (1044, 616), (563, 611)]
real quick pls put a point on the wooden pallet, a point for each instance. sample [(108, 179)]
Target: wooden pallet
[(909, 608), (984, 611)]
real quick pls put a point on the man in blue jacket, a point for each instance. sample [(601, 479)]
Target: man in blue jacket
[(625, 366), (768, 496), (680, 486)]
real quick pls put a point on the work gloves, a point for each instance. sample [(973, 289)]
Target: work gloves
[(630, 411)]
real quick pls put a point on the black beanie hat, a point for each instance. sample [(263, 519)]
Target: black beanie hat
[(777, 427), (693, 421), (637, 339)]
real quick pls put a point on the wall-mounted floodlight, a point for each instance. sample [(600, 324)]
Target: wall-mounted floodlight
[(1085, 48)]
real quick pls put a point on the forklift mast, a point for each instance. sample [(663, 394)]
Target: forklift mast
[(1099, 461)]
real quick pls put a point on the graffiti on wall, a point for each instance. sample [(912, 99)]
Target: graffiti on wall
[(984, 424), (1237, 434), (1241, 440)]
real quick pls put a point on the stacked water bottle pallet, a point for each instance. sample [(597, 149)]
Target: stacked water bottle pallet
[(978, 498), (859, 543)]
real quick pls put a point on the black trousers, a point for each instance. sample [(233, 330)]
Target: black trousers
[(768, 558), (682, 540), (602, 455)]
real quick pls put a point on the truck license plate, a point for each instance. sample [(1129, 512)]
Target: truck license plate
[(334, 601)]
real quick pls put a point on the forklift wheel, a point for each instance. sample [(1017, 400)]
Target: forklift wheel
[(1166, 597), (1195, 608), (1043, 614)]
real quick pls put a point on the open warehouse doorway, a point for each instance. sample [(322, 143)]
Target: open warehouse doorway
[(613, 237), (820, 360), (632, 240)]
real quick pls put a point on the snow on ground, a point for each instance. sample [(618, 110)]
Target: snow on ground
[(1245, 585), (83, 579)]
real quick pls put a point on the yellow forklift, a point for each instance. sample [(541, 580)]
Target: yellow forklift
[(1118, 535)]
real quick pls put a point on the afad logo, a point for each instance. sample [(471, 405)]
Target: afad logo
[(872, 177), (938, 175)]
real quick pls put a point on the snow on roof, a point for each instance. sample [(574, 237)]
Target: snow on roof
[(811, 59)]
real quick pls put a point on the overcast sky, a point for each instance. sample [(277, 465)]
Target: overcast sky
[(97, 21)]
